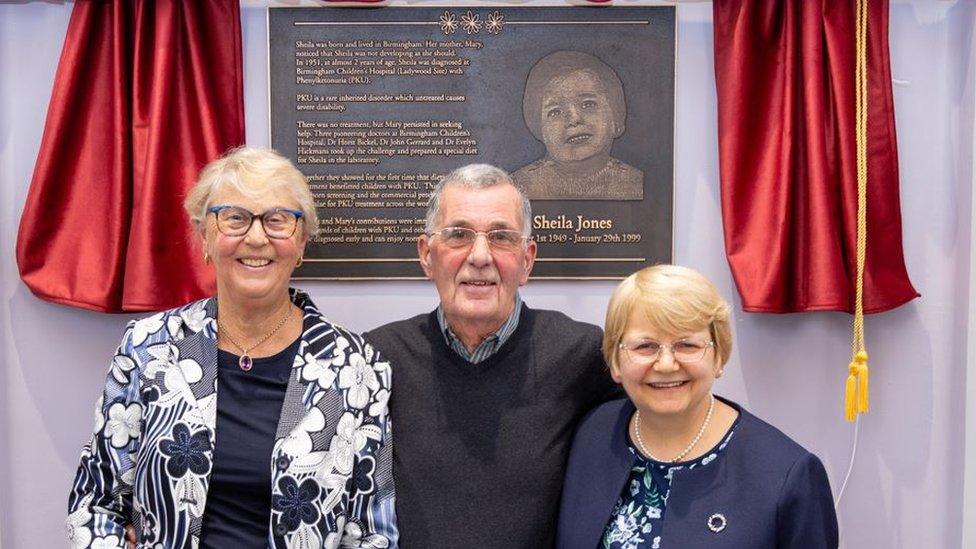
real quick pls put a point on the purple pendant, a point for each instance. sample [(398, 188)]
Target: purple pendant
[(245, 363)]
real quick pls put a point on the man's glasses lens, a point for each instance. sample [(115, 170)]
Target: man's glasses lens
[(235, 221), (463, 237)]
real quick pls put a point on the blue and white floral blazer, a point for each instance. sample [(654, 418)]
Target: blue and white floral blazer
[(149, 460)]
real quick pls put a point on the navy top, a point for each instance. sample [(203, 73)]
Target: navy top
[(638, 515), (248, 407), (766, 492)]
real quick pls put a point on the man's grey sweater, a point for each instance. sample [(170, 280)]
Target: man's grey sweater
[(480, 449)]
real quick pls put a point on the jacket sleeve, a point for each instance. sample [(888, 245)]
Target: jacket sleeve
[(805, 514), (100, 501), (378, 516)]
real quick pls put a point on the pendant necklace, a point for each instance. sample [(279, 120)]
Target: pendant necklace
[(640, 441), (246, 362)]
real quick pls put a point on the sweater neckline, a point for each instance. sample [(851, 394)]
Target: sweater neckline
[(526, 317)]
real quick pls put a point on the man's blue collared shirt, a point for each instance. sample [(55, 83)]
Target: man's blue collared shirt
[(490, 344)]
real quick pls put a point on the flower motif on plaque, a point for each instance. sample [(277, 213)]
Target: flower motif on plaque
[(449, 23), (471, 22), (494, 22)]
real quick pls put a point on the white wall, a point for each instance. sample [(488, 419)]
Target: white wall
[(906, 488)]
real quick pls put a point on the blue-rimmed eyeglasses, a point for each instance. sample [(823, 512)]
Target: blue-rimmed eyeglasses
[(278, 223), (684, 350)]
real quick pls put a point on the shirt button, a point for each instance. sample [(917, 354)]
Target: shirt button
[(282, 463), (281, 529)]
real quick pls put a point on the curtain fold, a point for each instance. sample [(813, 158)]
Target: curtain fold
[(146, 93), (784, 72)]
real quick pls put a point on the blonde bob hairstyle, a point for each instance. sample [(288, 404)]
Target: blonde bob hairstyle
[(251, 171), (674, 300)]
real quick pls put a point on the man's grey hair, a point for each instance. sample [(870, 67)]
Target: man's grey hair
[(476, 176)]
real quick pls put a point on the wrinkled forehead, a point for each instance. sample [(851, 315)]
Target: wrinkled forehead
[(573, 84), (495, 207)]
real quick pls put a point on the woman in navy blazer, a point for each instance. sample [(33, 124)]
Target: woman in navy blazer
[(672, 465)]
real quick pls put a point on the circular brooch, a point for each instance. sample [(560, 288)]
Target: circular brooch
[(716, 522)]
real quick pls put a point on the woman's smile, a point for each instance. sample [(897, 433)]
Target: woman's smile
[(254, 262), (667, 385)]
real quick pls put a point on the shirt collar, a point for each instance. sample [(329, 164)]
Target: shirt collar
[(490, 344)]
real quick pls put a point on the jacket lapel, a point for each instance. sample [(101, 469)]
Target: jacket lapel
[(612, 476), (311, 375), (195, 355)]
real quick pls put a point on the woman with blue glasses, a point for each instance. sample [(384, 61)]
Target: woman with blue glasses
[(246, 419)]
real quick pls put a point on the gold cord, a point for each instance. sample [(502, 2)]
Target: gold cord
[(856, 389)]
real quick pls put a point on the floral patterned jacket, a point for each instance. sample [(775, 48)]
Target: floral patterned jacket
[(149, 460)]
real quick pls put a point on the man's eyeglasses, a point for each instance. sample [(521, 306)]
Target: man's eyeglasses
[(278, 223), (463, 237), (644, 353)]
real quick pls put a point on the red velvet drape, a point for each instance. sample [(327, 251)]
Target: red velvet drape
[(785, 76), (146, 93)]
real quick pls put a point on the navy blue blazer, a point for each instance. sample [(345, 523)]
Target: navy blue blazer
[(771, 491)]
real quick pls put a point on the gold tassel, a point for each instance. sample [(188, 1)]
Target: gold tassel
[(850, 393), (861, 358)]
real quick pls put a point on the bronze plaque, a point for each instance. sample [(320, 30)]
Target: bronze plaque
[(373, 105)]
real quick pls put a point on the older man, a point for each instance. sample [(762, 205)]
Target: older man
[(488, 390)]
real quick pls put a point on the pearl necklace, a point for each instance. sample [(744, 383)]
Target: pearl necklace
[(640, 441), (245, 361)]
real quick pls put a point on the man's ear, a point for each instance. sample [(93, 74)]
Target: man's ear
[(423, 253), (531, 248)]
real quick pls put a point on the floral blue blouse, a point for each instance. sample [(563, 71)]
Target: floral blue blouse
[(639, 512), (150, 458)]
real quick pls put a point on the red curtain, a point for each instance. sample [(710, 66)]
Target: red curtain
[(146, 93), (785, 76)]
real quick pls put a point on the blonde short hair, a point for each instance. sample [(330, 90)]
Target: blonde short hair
[(251, 171), (675, 300)]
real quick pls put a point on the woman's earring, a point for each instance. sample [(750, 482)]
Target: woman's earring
[(719, 373), (300, 261), (206, 258)]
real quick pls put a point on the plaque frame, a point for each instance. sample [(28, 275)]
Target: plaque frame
[(554, 262)]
